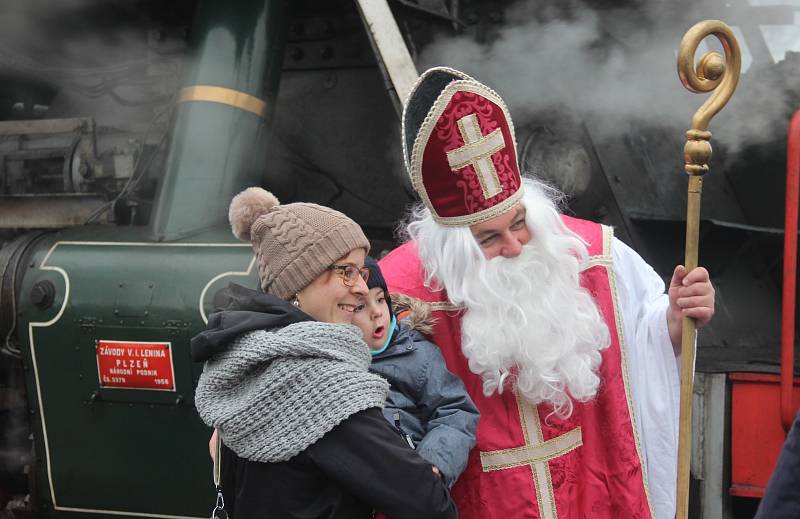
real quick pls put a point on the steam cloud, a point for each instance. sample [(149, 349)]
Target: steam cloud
[(94, 56), (615, 66)]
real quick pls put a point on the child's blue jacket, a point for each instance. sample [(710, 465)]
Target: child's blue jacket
[(433, 405)]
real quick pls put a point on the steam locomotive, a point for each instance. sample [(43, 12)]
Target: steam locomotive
[(127, 127)]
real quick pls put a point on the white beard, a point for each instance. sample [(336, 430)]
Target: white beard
[(528, 317), (528, 323)]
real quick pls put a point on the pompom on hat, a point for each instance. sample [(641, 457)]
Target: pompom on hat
[(293, 243), (247, 207), (460, 148)]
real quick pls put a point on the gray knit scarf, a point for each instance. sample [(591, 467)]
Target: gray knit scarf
[(274, 393)]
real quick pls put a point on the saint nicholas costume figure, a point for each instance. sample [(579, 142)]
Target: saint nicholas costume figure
[(563, 336)]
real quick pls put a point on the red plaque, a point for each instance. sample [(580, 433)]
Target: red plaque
[(135, 365)]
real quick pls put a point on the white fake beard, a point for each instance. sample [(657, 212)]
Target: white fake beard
[(528, 317), (528, 323)]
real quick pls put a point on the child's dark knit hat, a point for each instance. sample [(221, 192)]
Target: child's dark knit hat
[(376, 280)]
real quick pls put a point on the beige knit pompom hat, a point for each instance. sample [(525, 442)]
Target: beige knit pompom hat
[(293, 243)]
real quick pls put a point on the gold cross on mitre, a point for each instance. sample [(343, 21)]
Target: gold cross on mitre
[(477, 152), (536, 453)]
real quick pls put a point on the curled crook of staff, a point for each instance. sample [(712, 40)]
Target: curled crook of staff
[(719, 75)]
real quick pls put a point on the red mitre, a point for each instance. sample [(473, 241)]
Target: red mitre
[(460, 149)]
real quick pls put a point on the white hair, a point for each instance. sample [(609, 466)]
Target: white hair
[(526, 316)]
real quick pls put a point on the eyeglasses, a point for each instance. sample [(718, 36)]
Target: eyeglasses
[(350, 273)]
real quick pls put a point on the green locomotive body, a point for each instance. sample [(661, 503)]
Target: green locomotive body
[(114, 193), (110, 442)]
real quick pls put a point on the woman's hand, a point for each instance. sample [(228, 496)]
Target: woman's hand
[(212, 446)]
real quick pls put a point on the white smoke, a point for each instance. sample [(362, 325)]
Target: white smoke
[(614, 66), (102, 61)]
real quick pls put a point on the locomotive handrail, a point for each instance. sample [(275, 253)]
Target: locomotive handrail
[(790, 272)]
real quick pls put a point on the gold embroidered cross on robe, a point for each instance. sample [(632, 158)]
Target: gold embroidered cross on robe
[(536, 453)]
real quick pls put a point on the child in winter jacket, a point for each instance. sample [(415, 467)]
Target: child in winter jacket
[(427, 404)]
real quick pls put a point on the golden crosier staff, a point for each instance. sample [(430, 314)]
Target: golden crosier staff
[(720, 76)]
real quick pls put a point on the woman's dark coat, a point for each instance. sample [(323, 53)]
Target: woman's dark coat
[(362, 464), (782, 497)]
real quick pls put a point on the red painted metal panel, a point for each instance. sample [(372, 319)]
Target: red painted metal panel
[(757, 434), (790, 271)]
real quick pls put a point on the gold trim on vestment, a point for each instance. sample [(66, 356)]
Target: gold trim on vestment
[(536, 454), (597, 261), (225, 96), (608, 238), (547, 505), (608, 234), (527, 454)]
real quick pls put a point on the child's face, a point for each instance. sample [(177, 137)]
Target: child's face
[(373, 318)]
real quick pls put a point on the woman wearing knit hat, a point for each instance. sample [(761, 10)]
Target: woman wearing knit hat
[(286, 382)]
